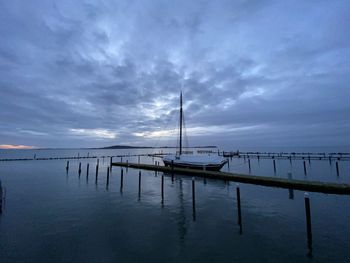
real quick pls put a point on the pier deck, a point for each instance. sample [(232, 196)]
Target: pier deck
[(309, 186)]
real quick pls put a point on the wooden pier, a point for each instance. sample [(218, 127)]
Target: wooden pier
[(309, 186)]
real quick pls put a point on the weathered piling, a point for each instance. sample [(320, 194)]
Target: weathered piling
[(79, 171), (274, 165), (337, 167), (1, 196), (239, 214), (291, 191), (308, 223), (110, 163), (172, 170), (139, 183), (96, 175), (249, 165), (305, 172), (162, 188), (67, 166), (193, 199), (121, 179), (107, 183), (87, 170)]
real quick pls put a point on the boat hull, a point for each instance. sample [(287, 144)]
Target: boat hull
[(207, 167)]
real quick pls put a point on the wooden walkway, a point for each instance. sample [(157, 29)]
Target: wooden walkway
[(309, 186)]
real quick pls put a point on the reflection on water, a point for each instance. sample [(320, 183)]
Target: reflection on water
[(120, 216)]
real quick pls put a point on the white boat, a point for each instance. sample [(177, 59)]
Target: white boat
[(205, 162)]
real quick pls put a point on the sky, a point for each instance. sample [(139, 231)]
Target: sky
[(98, 73)]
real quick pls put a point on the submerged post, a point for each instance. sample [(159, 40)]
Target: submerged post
[(193, 199), (1, 195), (274, 165), (96, 173), (337, 167), (305, 168), (249, 165), (79, 171), (239, 209), (87, 170), (107, 183), (139, 183), (67, 166), (110, 164), (121, 179), (308, 222), (162, 188)]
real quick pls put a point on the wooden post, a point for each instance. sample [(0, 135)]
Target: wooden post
[(139, 183), (67, 166), (96, 173), (98, 161), (87, 170), (162, 188), (291, 191), (249, 165), (309, 160), (193, 199), (121, 179), (1, 195), (330, 160), (107, 176), (337, 167), (172, 170), (110, 163), (305, 172), (79, 171), (308, 223), (138, 159), (239, 208), (274, 165)]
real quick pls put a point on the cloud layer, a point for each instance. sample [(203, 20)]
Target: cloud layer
[(96, 73)]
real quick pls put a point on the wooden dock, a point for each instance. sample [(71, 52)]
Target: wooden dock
[(309, 186)]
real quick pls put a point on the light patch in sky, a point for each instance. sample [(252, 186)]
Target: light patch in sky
[(96, 133), (10, 146)]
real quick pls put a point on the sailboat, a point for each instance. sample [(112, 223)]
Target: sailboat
[(181, 160)]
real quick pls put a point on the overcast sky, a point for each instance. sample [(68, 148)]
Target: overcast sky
[(98, 73)]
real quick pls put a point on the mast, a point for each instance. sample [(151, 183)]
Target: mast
[(181, 123)]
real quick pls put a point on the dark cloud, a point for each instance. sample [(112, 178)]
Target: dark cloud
[(110, 72)]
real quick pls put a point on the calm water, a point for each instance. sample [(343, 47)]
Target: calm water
[(51, 216)]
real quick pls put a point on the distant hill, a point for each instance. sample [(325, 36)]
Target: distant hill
[(148, 147)]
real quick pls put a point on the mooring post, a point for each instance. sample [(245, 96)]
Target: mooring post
[(239, 208), (96, 173), (98, 161), (337, 167), (291, 191), (305, 172), (110, 163), (249, 165), (1, 195), (87, 170), (308, 222), (121, 179), (162, 188), (79, 171), (107, 183), (67, 166), (139, 183), (274, 165), (193, 199)]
